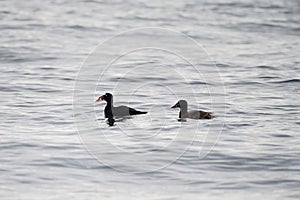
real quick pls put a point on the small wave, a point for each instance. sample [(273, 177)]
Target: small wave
[(6, 12), (199, 83), (248, 83), (295, 80), (271, 7), (7, 89), (48, 68), (17, 145), (223, 65), (268, 77), (266, 67), (76, 27), (282, 135), (230, 4)]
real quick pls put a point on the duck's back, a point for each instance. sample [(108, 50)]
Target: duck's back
[(196, 114), (121, 111)]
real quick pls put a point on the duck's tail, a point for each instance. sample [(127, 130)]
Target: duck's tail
[(136, 112), (209, 116)]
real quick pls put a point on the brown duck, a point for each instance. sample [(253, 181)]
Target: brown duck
[(193, 114)]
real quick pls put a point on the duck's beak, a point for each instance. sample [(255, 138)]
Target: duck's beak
[(99, 99), (176, 105)]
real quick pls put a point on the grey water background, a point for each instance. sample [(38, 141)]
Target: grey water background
[(255, 45)]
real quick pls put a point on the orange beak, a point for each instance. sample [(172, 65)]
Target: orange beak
[(99, 99)]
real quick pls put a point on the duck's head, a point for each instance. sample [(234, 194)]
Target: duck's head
[(180, 104), (107, 97)]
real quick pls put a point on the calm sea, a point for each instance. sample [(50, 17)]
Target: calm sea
[(237, 59)]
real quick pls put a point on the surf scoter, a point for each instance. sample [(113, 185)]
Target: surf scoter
[(119, 111)]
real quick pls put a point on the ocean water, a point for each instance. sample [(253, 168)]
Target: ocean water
[(237, 59)]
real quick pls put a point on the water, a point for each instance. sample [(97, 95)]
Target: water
[(254, 45)]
